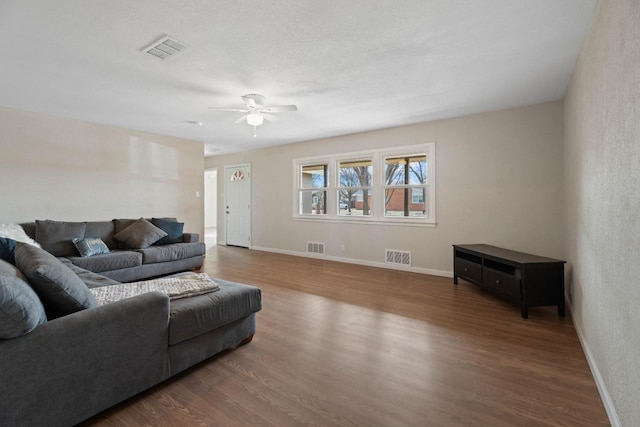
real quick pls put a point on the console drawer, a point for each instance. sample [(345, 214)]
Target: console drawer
[(501, 283), (468, 270)]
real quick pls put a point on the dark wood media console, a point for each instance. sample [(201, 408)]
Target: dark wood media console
[(525, 279)]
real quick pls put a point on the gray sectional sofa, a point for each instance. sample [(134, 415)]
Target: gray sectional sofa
[(64, 357), (125, 262)]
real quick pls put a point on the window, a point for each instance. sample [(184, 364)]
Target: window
[(393, 185), (405, 185), (354, 187), (312, 189), (417, 195)]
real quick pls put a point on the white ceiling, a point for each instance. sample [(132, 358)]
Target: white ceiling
[(349, 65)]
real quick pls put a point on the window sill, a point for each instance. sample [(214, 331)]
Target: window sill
[(402, 222)]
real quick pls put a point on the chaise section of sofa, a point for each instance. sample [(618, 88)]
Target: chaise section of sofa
[(205, 325), (173, 253)]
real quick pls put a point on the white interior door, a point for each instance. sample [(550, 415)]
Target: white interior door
[(237, 195)]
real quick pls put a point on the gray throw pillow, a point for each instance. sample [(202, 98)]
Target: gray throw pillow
[(59, 289), (90, 246), (20, 308), (140, 235)]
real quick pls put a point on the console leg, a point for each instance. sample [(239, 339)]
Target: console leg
[(525, 312)]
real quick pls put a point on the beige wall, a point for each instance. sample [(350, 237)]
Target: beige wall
[(499, 181), (602, 164), (54, 168)]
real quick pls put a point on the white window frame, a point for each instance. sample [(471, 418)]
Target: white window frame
[(423, 187), (377, 188), (367, 158), (299, 185)]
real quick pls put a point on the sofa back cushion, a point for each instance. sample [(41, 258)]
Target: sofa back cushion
[(56, 237), (103, 230)]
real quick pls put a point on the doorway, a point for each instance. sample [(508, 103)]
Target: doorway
[(210, 208), (237, 196)]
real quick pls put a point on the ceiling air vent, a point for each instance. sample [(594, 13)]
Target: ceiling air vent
[(165, 48)]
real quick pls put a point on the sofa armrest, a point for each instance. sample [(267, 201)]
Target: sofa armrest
[(190, 237), (74, 367)]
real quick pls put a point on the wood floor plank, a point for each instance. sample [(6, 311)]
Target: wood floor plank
[(348, 345)]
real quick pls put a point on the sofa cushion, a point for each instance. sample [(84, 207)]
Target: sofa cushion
[(173, 228), (102, 229), (55, 236), (172, 252), (8, 250), (20, 308), (90, 246), (91, 279), (115, 260), (59, 289), (191, 317), (140, 234)]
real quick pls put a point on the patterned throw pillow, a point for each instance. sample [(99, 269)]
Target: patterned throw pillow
[(90, 246)]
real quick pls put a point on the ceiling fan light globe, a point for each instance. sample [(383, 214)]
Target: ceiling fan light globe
[(255, 119)]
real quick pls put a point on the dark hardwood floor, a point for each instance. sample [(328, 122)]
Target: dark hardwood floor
[(347, 345)]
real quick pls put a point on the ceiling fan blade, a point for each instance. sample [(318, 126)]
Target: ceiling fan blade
[(235, 110), (279, 108), (241, 119), (270, 117), (253, 100)]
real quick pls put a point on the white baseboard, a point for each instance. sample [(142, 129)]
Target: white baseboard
[(602, 387), (358, 261)]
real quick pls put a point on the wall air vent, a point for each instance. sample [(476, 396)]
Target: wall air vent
[(398, 257), (165, 48), (315, 248)]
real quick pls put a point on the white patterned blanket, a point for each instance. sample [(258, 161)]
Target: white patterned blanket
[(174, 287)]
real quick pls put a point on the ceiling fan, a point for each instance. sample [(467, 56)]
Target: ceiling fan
[(256, 112)]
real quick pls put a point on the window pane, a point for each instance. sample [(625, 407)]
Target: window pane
[(314, 176), (356, 173), (406, 170), (354, 202), (313, 202), (405, 202)]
